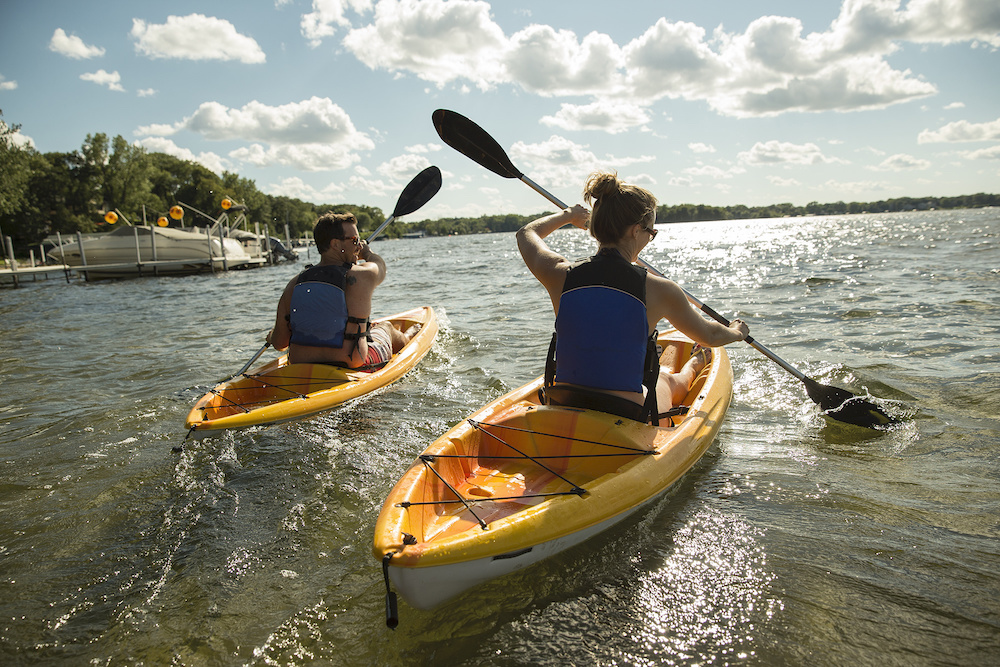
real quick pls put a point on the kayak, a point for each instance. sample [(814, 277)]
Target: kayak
[(518, 482), (279, 391)]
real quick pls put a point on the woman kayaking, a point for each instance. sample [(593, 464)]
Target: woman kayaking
[(603, 354)]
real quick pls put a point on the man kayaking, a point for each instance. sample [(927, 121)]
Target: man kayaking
[(607, 308), (324, 313)]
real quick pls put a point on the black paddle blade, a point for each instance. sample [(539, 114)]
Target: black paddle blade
[(473, 142), (846, 407), (418, 192)]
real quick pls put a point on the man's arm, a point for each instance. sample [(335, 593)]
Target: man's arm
[(368, 256), (280, 333)]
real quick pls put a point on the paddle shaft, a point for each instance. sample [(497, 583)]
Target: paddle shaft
[(380, 228)]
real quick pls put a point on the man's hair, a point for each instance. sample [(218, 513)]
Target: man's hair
[(330, 226)]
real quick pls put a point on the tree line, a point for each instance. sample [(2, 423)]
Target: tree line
[(45, 193)]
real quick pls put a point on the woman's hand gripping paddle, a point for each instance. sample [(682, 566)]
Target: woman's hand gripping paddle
[(474, 142)]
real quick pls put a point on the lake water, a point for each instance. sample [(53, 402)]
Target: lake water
[(794, 541)]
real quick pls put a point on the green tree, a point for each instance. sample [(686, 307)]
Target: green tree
[(14, 173), (126, 180)]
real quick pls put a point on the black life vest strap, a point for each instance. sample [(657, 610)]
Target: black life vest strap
[(356, 336), (550, 362), (652, 376)]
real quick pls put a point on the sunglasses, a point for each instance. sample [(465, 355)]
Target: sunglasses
[(652, 232), (353, 239)]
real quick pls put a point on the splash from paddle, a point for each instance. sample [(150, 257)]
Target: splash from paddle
[(474, 142), (417, 192)]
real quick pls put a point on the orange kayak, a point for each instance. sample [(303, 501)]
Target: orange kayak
[(279, 392), (517, 482)]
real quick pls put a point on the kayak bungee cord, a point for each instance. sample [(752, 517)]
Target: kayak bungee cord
[(576, 490), (479, 427), (427, 461)]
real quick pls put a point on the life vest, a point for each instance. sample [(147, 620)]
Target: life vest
[(602, 337), (319, 314)]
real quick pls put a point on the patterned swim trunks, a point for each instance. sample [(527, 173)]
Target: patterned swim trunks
[(379, 347)]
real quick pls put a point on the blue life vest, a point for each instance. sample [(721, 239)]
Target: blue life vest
[(319, 307), (602, 331)]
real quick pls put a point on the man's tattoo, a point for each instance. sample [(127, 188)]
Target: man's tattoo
[(351, 280)]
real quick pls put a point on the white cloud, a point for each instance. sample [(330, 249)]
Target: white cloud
[(609, 115), (7, 85), (403, 167), (314, 121), (562, 163), (423, 148), (553, 63), (304, 157), (711, 171), (296, 188), (437, 41), (901, 162), (698, 147), (208, 160), (110, 79), (962, 130), (784, 153), (328, 15), (17, 138), (991, 153), (955, 105), (780, 182), (195, 37), (146, 92), (772, 67), (72, 46), (949, 21), (312, 135)]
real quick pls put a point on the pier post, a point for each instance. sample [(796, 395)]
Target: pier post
[(152, 240), (83, 256), (9, 249), (138, 253), (62, 255), (211, 261)]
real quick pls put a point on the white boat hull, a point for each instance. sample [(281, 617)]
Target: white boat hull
[(128, 251), (427, 587)]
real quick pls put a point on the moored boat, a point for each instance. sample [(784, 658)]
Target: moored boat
[(128, 251), (279, 391), (519, 481)]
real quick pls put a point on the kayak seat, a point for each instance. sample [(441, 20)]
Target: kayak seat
[(590, 399)]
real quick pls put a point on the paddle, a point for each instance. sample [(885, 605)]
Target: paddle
[(417, 192), (474, 142)]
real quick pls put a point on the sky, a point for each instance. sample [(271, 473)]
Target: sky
[(721, 103)]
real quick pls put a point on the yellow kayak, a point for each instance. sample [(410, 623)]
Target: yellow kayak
[(280, 392), (518, 481)]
